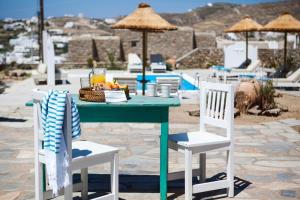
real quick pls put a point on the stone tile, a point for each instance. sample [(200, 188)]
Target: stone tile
[(141, 126), (268, 155), (285, 176), (278, 163), (255, 168), (291, 122), (288, 193), (25, 154), (10, 196), (276, 185), (250, 155)]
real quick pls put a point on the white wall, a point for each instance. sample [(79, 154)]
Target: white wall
[(235, 54)]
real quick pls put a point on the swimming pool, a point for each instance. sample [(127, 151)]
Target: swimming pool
[(184, 84)]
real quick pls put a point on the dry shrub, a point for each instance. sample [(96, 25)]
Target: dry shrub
[(267, 93)]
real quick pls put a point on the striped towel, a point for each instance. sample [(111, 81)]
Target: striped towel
[(53, 110)]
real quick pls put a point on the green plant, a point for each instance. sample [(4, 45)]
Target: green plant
[(211, 63), (267, 92), (111, 60), (89, 62)]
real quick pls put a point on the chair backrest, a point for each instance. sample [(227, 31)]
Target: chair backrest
[(295, 76), (217, 106), (173, 81), (134, 59), (245, 64), (254, 65), (130, 81), (156, 58), (38, 129)]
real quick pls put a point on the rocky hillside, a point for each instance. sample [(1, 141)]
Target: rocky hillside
[(215, 18), (79, 25), (222, 15)]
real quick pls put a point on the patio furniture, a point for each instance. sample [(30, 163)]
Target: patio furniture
[(245, 25), (2, 88), (293, 80), (144, 19), (128, 80), (246, 63), (158, 64), (285, 23), (134, 63), (83, 154), (251, 68), (216, 109), (40, 75), (139, 109), (173, 81)]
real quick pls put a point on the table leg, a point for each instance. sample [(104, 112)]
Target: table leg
[(44, 172), (44, 177), (164, 160)]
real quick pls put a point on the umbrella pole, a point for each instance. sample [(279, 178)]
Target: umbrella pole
[(284, 51), (144, 61), (246, 45)]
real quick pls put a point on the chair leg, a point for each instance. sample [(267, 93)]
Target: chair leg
[(202, 167), (188, 175), (230, 172), (115, 177), (38, 181), (68, 194), (84, 182)]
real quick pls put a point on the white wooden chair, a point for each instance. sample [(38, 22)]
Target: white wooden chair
[(216, 109), (84, 155)]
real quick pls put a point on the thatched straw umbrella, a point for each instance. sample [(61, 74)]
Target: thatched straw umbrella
[(285, 23), (144, 19), (245, 25)]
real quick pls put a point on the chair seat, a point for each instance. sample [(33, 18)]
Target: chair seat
[(197, 138), (86, 153), (83, 149)]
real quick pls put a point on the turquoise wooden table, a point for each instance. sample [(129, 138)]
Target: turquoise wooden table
[(138, 109)]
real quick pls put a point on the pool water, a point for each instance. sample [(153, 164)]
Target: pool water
[(184, 84)]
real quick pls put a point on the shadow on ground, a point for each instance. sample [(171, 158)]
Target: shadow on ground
[(7, 119), (57, 82), (100, 183)]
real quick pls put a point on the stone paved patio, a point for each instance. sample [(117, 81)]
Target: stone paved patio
[(267, 158)]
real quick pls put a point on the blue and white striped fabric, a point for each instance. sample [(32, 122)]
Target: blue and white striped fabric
[(53, 110)]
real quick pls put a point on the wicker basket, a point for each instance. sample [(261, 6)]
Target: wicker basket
[(87, 94)]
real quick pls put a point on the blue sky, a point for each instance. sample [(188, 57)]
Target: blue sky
[(100, 8)]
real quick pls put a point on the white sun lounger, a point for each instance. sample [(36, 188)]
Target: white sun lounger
[(134, 63), (292, 80), (158, 64), (251, 68)]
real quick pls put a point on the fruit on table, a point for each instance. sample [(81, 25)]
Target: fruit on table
[(115, 86), (124, 87), (110, 86)]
